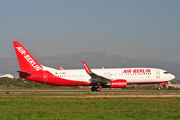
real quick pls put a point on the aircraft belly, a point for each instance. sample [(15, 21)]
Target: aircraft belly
[(144, 80), (78, 79)]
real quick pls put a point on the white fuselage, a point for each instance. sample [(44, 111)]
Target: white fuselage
[(131, 75)]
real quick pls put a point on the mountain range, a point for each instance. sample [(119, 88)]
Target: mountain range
[(93, 60)]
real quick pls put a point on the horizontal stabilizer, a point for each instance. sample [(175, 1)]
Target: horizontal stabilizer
[(24, 73)]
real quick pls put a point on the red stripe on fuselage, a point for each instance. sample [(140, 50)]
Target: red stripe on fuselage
[(38, 76)]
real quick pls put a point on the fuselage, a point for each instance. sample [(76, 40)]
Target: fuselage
[(80, 77)]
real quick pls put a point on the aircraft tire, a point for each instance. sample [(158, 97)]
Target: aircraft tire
[(93, 88), (98, 89), (159, 88)]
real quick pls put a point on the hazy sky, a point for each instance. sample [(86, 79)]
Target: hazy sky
[(132, 28)]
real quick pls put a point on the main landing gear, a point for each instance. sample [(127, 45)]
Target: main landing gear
[(95, 89)]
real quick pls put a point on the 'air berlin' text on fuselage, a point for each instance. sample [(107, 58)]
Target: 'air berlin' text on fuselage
[(137, 71)]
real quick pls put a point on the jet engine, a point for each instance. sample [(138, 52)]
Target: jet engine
[(118, 83), (121, 83)]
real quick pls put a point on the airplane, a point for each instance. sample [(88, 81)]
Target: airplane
[(32, 70)]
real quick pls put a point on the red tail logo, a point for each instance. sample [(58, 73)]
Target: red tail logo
[(26, 60)]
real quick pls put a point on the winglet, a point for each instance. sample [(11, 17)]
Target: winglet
[(86, 68), (60, 68)]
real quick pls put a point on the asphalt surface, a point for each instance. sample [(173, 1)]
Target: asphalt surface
[(103, 91)]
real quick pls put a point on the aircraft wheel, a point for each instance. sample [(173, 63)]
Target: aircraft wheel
[(93, 89), (98, 89), (159, 88)]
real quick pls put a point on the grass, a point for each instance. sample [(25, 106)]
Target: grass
[(34, 105)]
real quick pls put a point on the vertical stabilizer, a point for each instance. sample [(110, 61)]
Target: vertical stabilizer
[(26, 60)]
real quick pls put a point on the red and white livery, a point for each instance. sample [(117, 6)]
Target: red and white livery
[(110, 77)]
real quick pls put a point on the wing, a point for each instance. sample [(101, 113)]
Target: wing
[(94, 77)]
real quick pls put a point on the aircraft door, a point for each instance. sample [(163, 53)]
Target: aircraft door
[(157, 73)]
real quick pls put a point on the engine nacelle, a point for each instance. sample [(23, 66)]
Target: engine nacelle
[(121, 83)]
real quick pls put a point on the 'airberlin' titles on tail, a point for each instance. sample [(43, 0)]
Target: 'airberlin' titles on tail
[(26, 60)]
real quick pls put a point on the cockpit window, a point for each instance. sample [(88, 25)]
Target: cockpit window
[(166, 72)]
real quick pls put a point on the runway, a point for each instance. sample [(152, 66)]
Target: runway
[(103, 91)]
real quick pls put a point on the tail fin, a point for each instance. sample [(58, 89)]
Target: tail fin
[(26, 60)]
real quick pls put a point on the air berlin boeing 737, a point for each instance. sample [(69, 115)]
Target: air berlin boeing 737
[(106, 78)]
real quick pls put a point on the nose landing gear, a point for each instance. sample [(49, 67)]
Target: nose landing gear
[(161, 85), (159, 88)]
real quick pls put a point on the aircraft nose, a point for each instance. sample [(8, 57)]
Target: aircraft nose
[(172, 76)]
